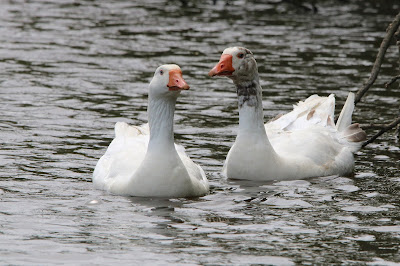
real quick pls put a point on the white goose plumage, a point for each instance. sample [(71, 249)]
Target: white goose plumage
[(303, 143), (143, 160)]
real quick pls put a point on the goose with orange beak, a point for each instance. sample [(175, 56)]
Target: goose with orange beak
[(144, 160), (300, 144)]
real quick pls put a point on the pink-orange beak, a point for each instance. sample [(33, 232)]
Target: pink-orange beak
[(176, 81), (224, 67)]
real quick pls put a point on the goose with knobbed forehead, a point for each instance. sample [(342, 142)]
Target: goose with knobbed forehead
[(144, 160)]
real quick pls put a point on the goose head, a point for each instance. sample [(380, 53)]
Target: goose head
[(236, 63), (167, 81)]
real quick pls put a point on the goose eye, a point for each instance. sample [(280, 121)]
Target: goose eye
[(161, 72), (241, 55)]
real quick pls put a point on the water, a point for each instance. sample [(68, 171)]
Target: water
[(71, 69)]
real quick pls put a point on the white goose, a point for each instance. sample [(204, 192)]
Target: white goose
[(143, 160), (303, 143)]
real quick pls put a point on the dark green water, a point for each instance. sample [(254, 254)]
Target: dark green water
[(70, 69)]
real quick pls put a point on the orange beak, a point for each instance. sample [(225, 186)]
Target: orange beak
[(224, 67), (176, 81)]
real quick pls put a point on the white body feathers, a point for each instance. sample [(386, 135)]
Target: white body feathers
[(123, 169), (302, 143)]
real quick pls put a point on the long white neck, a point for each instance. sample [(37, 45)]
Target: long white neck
[(252, 156), (161, 123), (251, 117)]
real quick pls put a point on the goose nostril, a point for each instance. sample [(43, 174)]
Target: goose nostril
[(222, 66)]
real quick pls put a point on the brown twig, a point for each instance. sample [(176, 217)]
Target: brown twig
[(397, 36), (393, 80), (379, 58), (371, 126), (384, 129)]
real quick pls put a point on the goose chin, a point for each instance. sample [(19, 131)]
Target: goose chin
[(225, 73), (176, 88)]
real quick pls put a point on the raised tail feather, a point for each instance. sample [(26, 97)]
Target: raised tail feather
[(352, 132), (345, 115)]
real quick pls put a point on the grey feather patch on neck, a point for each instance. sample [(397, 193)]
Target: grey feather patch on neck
[(248, 92)]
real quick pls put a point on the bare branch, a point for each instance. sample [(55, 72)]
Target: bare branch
[(379, 58), (384, 129), (393, 80), (372, 126)]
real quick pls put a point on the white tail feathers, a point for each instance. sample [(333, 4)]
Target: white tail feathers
[(352, 132), (345, 115)]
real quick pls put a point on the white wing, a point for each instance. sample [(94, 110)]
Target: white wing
[(309, 131), (315, 110), (124, 154)]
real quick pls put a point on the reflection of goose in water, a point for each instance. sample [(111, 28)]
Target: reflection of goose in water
[(300, 144), (143, 160)]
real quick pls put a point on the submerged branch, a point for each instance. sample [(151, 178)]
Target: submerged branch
[(384, 129), (379, 58)]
